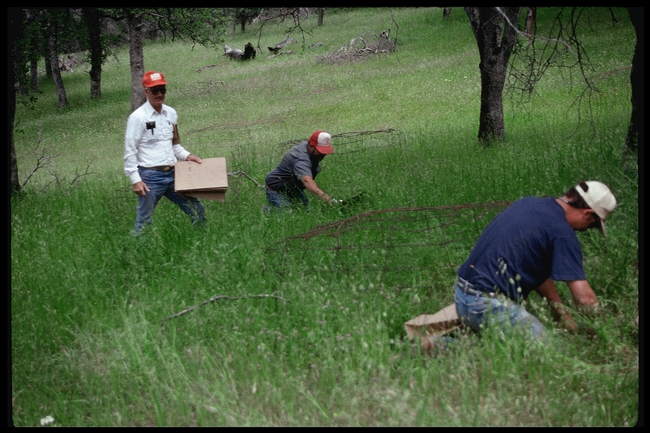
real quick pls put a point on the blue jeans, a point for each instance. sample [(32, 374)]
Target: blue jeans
[(282, 202), (478, 311), (161, 183)]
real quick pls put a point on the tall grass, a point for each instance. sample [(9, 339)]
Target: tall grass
[(88, 301)]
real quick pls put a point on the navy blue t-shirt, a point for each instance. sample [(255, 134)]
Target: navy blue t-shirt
[(522, 247), (296, 164)]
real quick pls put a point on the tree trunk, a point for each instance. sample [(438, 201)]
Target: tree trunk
[(446, 13), (530, 21), (136, 58), (15, 21), (46, 56), (18, 63), (495, 40), (234, 22), (54, 61), (91, 15), (34, 50), (321, 12), (635, 129), (33, 73)]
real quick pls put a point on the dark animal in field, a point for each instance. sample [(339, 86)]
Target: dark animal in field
[(249, 52), (237, 54)]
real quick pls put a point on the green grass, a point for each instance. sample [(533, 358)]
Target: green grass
[(88, 301)]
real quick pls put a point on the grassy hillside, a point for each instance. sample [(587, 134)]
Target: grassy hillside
[(309, 331)]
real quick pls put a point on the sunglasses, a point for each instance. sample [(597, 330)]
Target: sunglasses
[(157, 90), (596, 222)]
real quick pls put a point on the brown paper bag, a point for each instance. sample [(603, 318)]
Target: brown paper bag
[(427, 327)]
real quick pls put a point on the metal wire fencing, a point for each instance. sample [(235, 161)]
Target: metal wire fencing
[(404, 247)]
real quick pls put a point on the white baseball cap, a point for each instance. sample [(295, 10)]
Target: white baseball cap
[(600, 199)]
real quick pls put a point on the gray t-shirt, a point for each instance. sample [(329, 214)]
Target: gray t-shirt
[(296, 164)]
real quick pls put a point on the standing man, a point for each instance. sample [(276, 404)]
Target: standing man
[(527, 247), (151, 149), (286, 183)]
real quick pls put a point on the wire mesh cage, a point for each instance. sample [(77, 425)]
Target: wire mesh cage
[(406, 246)]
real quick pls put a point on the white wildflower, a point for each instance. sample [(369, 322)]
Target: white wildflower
[(47, 420)]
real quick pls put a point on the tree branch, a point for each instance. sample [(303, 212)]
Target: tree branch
[(213, 299), (78, 175), (43, 161), (240, 172), (530, 35)]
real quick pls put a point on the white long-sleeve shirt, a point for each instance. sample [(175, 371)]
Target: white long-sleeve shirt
[(148, 140)]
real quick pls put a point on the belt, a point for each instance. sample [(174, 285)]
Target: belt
[(159, 168), (468, 287), (281, 190)]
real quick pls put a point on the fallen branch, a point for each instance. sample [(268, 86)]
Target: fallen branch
[(244, 173), (213, 299), (78, 175), (211, 84), (205, 67), (43, 161), (358, 48)]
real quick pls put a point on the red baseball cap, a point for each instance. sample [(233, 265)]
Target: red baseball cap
[(322, 141), (153, 78)]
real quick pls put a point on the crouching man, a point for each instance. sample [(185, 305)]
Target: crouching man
[(286, 183), (527, 247)]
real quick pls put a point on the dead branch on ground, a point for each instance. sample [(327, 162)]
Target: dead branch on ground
[(359, 49), (206, 67), (211, 84), (213, 299), (43, 160), (243, 173), (78, 175)]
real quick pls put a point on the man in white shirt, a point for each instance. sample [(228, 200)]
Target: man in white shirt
[(151, 149)]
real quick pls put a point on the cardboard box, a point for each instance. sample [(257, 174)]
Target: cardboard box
[(426, 326), (208, 180)]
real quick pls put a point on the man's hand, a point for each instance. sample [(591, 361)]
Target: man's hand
[(568, 323), (548, 291), (140, 188), (194, 158), (584, 298), (313, 188)]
